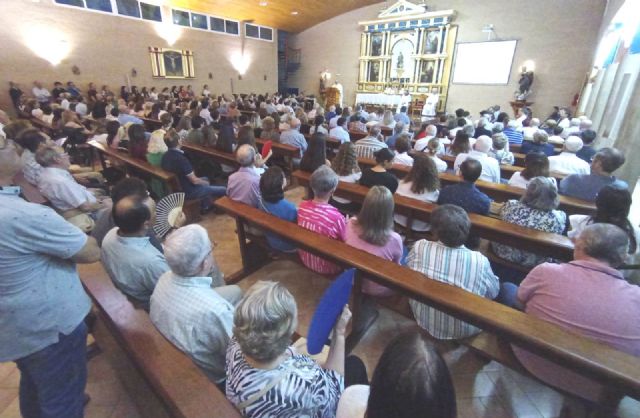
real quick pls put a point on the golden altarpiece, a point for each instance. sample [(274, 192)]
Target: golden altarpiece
[(406, 49)]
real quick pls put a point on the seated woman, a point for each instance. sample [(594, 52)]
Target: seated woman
[(358, 123), (422, 133), (73, 129), (372, 231), (403, 146), (157, 148), (319, 216), (137, 141), (411, 380), (536, 210), (194, 134), (540, 144), (316, 154), (266, 377), (184, 126), (613, 204), (318, 126), (378, 175), (345, 164), (460, 145), (433, 149), (500, 150), (272, 184), (536, 164), (422, 183), (114, 134)]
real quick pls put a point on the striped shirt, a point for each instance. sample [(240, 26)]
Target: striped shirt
[(325, 220), (459, 267)]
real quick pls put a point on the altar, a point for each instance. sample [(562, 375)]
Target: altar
[(408, 48)]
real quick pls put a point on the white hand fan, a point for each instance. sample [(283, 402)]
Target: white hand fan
[(168, 210)]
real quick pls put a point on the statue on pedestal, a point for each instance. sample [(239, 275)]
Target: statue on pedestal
[(526, 80)]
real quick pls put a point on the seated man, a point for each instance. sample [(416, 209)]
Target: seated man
[(588, 296), (188, 307), (587, 186), (567, 162), (125, 117), (490, 166), (511, 131), (244, 185), (319, 216), (449, 261), (465, 194), (367, 146), (391, 139), (292, 136), (72, 200), (423, 143), (340, 132), (588, 151), (193, 187), (128, 256), (402, 116)]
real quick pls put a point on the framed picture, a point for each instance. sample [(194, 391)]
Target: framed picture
[(171, 63)]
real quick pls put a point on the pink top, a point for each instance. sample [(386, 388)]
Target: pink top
[(585, 297), (325, 220), (392, 250)]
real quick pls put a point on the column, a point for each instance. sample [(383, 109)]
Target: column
[(442, 40), (363, 40)]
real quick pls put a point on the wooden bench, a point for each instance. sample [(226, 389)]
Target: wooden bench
[(286, 151), (150, 125), (216, 155), (497, 191), (585, 356), (544, 243), (165, 382), (517, 147)]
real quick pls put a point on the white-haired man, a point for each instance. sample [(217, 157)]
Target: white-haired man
[(567, 162), (189, 307), (367, 146), (511, 131), (529, 131), (490, 166), (292, 136), (244, 185), (421, 144)]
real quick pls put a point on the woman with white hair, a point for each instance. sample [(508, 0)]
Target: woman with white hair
[(189, 305), (387, 119), (266, 377), (536, 210)]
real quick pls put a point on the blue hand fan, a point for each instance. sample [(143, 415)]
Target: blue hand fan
[(328, 311)]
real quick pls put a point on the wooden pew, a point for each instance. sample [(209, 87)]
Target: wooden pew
[(178, 388), (131, 162), (150, 125), (211, 153), (356, 135), (545, 243), (288, 152), (580, 354), (517, 147), (497, 191)]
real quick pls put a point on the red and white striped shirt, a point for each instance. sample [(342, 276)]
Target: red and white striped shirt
[(325, 220)]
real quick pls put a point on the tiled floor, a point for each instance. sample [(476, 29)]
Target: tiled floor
[(484, 390)]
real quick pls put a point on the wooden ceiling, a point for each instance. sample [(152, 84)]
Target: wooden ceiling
[(277, 13)]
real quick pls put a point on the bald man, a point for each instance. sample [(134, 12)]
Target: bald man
[(128, 255), (42, 301), (244, 184)]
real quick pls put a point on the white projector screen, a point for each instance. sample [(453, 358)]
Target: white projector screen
[(484, 62)]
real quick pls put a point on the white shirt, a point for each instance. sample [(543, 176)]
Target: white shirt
[(490, 166), (41, 94), (568, 163), (351, 178), (64, 104), (321, 129), (528, 132), (403, 159), (404, 189), (518, 181), (429, 107), (62, 190), (440, 165), (334, 121), (556, 139), (206, 115), (421, 144), (340, 133), (81, 109), (353, 402)]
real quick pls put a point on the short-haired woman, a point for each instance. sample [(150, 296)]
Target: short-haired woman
[(266, 377), (372, 231), (536, 210), (536, 164), (319, 216), (411, 380), (433, 149), (403, 146), (387, 119), (269, 130), (500, 150), (378, 175), (272, 184), (345, 164), (422, 183), (540, 143)]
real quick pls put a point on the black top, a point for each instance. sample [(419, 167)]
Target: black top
[(372, 178)]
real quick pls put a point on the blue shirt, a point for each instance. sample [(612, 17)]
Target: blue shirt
[(402, 117), (528, 146), (295, 138), (587, 186), (391, 140), (283, 210), (123, 118), (175, 162), (40, 292), (586, 153), (133, 264), (514, 136), (467, 196)]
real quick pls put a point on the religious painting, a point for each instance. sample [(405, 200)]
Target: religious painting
[(427, 71), (431, 42), (171, 63), (374, 71), (402, 62), (376, 44)]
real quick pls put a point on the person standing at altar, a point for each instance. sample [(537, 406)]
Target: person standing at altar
[(405, 100), (430, 105), (338, 86)]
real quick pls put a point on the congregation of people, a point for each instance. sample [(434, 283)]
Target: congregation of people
[(243, 341)]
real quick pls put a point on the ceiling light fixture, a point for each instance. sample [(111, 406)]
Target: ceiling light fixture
[(263, 3), (295, 13)]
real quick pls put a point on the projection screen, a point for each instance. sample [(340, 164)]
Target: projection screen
[(483, 62)]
